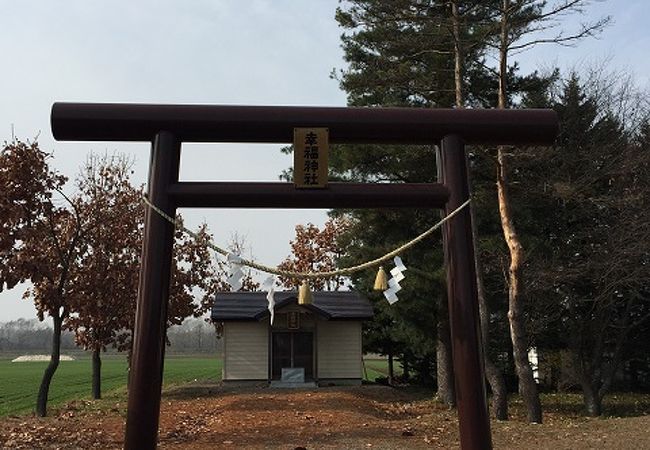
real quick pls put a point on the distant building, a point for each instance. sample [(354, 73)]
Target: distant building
[(318, 343)]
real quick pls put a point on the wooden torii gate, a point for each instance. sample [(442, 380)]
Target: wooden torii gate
[(167, 126)]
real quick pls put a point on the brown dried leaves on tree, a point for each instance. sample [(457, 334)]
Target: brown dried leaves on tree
[(82, 253), (26, 186), (316, 250), (106, 284), (40, 241), (112, 262)]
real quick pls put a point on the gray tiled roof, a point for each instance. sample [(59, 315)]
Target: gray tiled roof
[(253, 305)]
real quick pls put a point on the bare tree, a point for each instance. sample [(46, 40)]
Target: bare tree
[(522, 25), (596, 270)]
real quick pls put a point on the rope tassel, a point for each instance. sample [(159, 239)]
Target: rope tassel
[(381, 281), (304, 294)]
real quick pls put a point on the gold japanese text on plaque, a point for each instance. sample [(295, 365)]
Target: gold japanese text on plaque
[(310, 151)]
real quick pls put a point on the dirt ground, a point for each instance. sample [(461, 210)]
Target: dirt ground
[(375, 417)]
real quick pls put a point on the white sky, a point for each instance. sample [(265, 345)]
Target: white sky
[(267, 52)]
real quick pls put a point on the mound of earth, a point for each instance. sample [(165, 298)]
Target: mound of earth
[(28, 358)]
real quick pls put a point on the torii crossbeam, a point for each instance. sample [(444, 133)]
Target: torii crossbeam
[(167, 126)]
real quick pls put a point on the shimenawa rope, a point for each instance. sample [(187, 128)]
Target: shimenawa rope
[(312, 275)]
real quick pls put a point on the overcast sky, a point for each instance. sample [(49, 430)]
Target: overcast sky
[(267, 52)]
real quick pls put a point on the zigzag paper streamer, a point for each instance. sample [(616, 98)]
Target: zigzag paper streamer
[(393, 283), (269, 285), (236, 274)]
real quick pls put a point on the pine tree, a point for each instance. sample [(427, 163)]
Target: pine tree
[(417, 54)]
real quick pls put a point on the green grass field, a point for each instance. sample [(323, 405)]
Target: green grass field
[(379, 368), (19, 382)]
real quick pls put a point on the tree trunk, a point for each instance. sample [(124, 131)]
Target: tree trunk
[(593, 401), (97, 374), (584, 373), (55, 357), (406, 370), (458, 55), (499, 390), (391, 368), (527, 385), (445, 369), (492, 372)]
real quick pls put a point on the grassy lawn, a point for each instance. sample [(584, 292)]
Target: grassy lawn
[(19, 382), (379, 368)]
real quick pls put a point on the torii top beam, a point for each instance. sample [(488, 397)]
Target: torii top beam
[(275, 124)]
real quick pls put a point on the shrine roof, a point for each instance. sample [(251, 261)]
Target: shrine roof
[(331, 305)]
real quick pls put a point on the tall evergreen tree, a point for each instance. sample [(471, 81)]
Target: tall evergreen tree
[(418, 54), (403, 54)]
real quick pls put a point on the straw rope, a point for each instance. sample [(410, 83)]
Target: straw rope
[(312, 275)]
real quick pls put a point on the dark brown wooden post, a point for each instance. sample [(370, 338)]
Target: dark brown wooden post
[(473, 415), (153, 293)]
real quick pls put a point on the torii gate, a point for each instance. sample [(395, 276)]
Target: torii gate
[(167, 126)]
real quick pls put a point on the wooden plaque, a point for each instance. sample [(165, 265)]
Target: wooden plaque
[(310, 155)]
